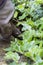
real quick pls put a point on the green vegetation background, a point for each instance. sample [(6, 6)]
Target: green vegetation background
[(29, 13)]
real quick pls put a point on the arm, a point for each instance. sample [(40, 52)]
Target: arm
[(6, 12), (2, 3)]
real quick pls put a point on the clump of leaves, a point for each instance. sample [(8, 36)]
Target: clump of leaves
[(28, 8)]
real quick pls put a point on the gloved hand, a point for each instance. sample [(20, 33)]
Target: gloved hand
[(9, 30), (5, 31)]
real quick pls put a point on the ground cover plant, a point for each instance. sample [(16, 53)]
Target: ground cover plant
[(29, 14)]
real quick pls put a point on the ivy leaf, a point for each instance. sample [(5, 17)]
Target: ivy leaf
[(21, 7), (24, 15), (15, 14), (13, 56), (22, 63)]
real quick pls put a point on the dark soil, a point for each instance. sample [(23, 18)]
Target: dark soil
[(3, 45)]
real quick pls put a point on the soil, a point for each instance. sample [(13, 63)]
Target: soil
[(3, 45)]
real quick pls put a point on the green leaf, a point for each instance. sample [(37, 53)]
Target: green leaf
[(15, 14), (13, 56)]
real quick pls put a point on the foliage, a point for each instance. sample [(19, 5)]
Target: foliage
[(29, 13)]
